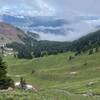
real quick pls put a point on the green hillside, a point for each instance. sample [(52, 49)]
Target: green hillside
[(41, 48), (87, 42), (57, 78)]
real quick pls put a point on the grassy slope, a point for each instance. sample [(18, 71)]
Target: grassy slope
[(54, 73)]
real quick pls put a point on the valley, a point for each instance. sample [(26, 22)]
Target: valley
[(49, 49), (55, 75)]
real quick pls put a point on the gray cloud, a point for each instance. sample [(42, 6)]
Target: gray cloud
[(26, 7), (52, 7), (90, 7), (70, 10)]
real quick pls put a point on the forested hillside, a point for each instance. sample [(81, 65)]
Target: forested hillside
[(87, 42), (35, 48)]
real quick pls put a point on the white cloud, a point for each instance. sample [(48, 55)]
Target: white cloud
[(68, 9), (62, 8), (45, 8), (26, 7)]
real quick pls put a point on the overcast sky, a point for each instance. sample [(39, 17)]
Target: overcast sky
[(59, 8), (62, 8)]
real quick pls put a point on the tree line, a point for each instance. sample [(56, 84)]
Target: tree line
[(33, 48)]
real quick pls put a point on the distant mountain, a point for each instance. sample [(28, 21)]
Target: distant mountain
[(9, 33), (33, 35), (38, 24), (53, 28), (31, 22)]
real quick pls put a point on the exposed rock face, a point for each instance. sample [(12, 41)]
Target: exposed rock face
[(9, 33)]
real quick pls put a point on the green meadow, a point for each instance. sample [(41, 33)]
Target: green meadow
[(56, 78)]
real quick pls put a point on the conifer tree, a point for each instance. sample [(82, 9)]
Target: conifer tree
[(5, 81)]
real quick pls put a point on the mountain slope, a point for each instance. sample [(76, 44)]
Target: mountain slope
[(58, 74), (87, 42), (9, 33)]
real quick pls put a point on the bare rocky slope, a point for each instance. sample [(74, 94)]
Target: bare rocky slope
[(9, 34)]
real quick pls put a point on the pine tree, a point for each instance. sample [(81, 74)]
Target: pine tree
[(70, 58), (23, 83), (5, 81), (91, 52), (2, 51), (97, 48)]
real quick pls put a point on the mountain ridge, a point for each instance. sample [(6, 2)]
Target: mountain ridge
[(9, 33)]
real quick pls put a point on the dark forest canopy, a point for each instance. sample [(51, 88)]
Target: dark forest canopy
[(34, 48)]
